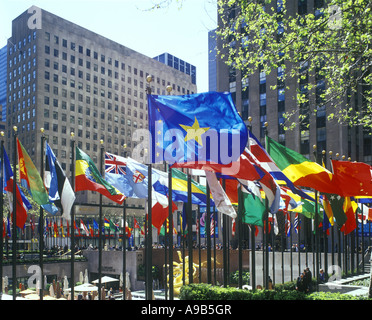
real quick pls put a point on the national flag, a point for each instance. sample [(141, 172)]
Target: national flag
[(326, 224), (267, 163), (365, 211), (199, 128), (336, 203), (180, 188), (128, 231), (62, 232), (220, 199), (300, 170), (55, 228), (106, 223), (116, 174), (9, 233), (354, 178), (287, 224), (251, 206), (68, 228), (22, 203), (136, 225), (95, 225), (349, 207), (76, 228), (327, 209), (31, 180), (60, 190), (84, 227), (296, 223), (87, 177)]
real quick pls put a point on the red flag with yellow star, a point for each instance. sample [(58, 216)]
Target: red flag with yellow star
[(353, 178)]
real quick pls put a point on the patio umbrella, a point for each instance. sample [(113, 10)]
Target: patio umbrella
[(105, 279), (81, 277), (86, 280), (85, 287), (65, 284), (32, 296), (51, 291)]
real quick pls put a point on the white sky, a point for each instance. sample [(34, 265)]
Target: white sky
[(179, 30)]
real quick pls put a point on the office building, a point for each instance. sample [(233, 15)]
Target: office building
[(65, 78), (178, 64)]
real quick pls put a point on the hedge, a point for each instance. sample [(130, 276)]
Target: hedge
[(203, 291)]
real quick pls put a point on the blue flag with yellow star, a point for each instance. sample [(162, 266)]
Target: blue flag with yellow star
[(195, 130)]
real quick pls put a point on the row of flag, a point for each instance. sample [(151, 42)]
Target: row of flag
[(204, 131)]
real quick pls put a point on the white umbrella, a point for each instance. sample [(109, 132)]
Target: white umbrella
[(65, 284), (81, 277), (86, 280), (127, 280), (85, 287), (105, 279), (51, 291)]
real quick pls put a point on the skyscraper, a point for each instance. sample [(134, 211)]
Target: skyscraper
[(65, 78)]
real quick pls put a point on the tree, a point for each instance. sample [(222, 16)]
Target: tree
[(333, 46)]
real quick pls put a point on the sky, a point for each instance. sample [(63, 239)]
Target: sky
[(180, 28)]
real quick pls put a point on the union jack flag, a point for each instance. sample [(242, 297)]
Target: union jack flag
[(113, 165)]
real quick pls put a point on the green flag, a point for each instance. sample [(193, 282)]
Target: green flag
[(337, 202), (251, 206)]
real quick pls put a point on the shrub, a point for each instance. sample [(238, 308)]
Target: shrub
[(202, 291)]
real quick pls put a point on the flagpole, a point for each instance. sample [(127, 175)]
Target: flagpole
[(72, 232), (316, 235), (14, 242), (266, 235), (170, 230), (123, 245), (100, 233), (253, 237), (170, 218), (189, 225), (149, 214), (208, 235), (41, 212), (1, 214)]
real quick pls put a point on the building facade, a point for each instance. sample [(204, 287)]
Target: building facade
[(65, 78)]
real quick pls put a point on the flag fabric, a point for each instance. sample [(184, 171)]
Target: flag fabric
[(221, 200), (60, 190), (22, 204), (327, 209), (180, 188), (300, 170), (354, 178), (87, 177), (336, 203), (251, 206), (132, 182), (95, 225), (287, 224), (267, 163), (106, 223), (84, 227), (296, 223), (76, 228), (31, 180), (349, 208), (62, 231), (199, 129), (365, 211)]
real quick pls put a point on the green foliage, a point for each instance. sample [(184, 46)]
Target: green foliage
[(331, 42), (209, 292), (202, 291), (234, 277)]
